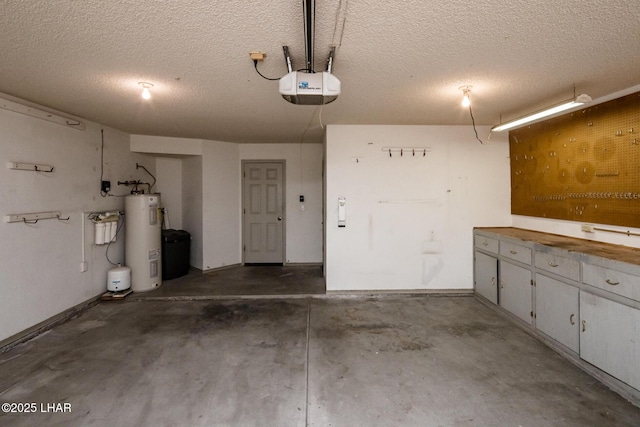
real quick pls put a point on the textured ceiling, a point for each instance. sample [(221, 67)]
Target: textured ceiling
[(399, 62)]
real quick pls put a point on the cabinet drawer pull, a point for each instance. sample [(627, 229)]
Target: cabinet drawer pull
[(611, 282), (571, 319), (552, 264), (485, 244), (584, 325), (513, 252)]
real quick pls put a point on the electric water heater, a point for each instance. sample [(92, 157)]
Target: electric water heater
[(143, 223)]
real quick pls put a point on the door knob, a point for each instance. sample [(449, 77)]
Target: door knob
[(279, 218)]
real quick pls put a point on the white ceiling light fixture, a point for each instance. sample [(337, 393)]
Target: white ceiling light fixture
[(145, 89), (564, 106), (466, 102)]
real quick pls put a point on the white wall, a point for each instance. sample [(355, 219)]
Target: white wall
[(211, 194), (192, 206), (40, 264), (410, 219), (303, 177), (169, 184), (221, 213), (572, 229), (166, 145)]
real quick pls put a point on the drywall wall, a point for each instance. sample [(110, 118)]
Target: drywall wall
[(40, 273), (169, 185), (409, 219), (192, 206), (573, 229), (303, 177), (166, 145), (220, 205), (211, 194)]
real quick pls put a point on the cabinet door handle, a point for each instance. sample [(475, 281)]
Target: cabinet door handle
[(513, 252), (501, 284), (584, 325), (493, 281), (552, 264), (609, 281), (571, 319)]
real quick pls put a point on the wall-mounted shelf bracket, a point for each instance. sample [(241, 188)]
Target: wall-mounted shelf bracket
[(32, 218), (30, 167)]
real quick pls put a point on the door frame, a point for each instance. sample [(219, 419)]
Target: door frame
[(243, 162)]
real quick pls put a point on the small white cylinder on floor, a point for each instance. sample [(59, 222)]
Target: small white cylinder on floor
[(119, 279)]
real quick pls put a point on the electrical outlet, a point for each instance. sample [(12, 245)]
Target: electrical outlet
[(587, 228), (257, 56), (105, 187)]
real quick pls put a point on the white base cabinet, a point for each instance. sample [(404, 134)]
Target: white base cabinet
[(558, 311), (610, 338), (584, 299), (486, 276), (515, 290)]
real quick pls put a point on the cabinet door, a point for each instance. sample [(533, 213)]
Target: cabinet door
[(515, 290), (557, 312), (610, 337), (486, 276)]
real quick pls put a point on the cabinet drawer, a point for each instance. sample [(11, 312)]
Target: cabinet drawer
[(562, 266), (623, 284), (487, 244), (515, 252)]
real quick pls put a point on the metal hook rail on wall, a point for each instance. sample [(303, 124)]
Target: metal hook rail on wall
[(30, 167), (407, 151), (33, 218), (608, 230)]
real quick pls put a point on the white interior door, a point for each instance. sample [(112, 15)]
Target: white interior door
[(263, 212)]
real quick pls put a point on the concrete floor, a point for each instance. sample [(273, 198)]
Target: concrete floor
[(241, 281), (314, 361)]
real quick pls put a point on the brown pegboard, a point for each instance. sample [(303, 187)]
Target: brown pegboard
[(583, 166)]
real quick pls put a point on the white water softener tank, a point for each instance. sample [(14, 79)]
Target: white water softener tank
[(143, 240), (119, 279)]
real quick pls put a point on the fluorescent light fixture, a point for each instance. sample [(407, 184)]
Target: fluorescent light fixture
[(145, 90), (567, 105)]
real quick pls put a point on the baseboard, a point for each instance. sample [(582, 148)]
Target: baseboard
[(213, 270), (303, 264), (60, 318), (391, 292)]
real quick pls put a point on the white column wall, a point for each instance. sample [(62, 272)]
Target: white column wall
[(410, 219), (192, 206), (221, 215)]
